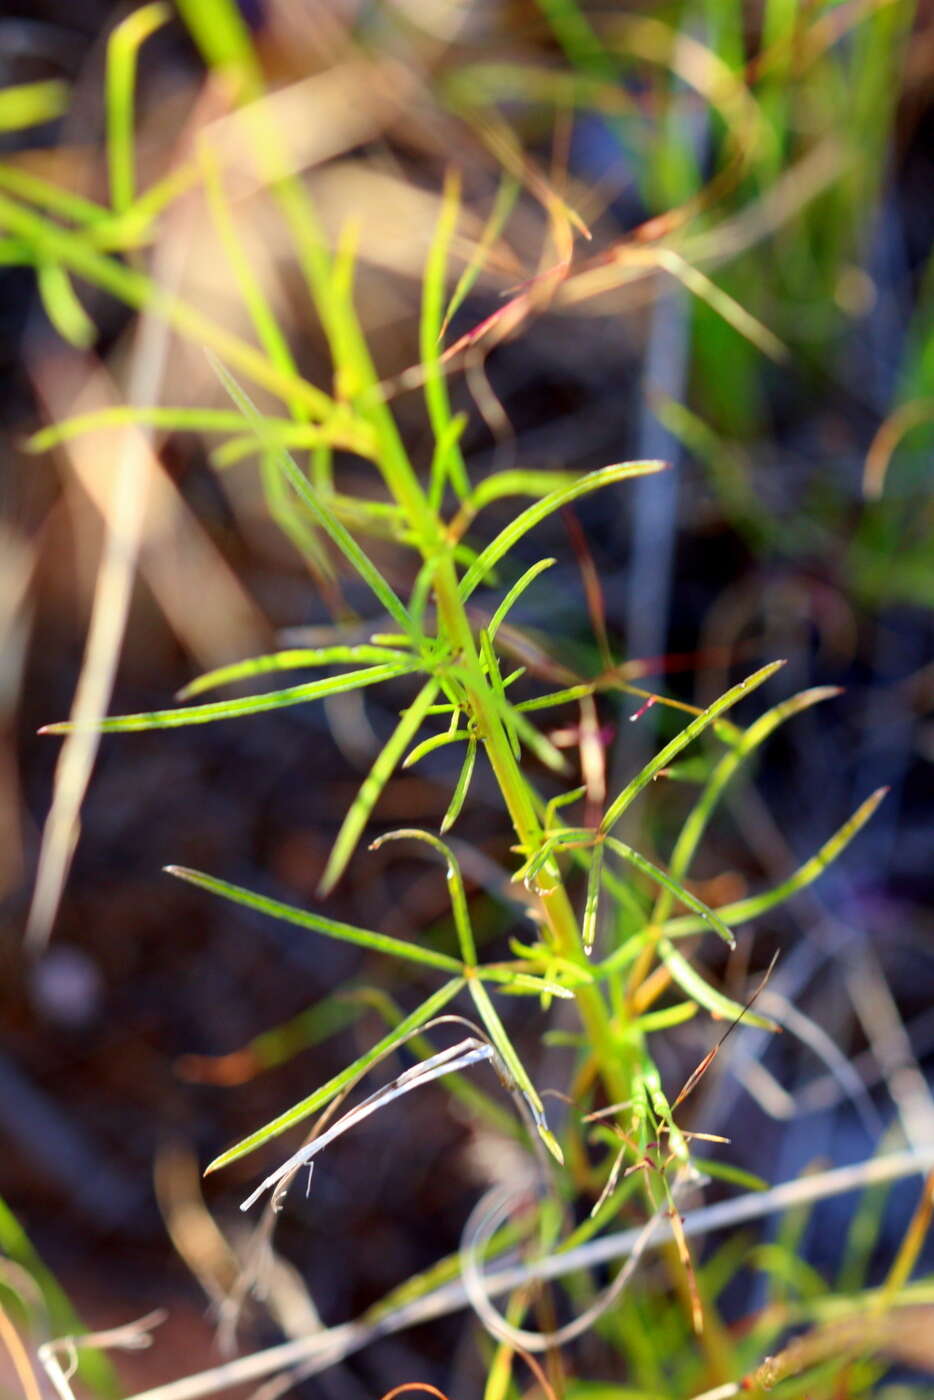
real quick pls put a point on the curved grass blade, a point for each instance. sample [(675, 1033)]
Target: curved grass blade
[(294, 659), (676, 890), (437, 741), (317, 923), (120, 92), (373, 784), (722, 1007), (534, 514), (696, 821), (455, 883), (325, 518), (332, 1088), (518, 481), (514, 1066), (62, 306), (806, 874), (32, 104), (515, 593), (233, 709), (680, 741), (460, 787)]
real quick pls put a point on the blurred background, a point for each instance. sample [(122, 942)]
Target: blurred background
[(780, 355)]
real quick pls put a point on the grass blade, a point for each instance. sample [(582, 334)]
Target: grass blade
[(328, 522), (317, 923), (680, 741), (437, 741), (806, 874), (63, 307), (32, 104), (497, 1033), (120, 91), (515, 593), (460, 787), (449, 464), (534, 514), (328, 1091), (386, 761), (675, 889), (291, 660), (455, 884), (201, 420), (697, 819), (723, 1008), (592, 898), (233, 709)]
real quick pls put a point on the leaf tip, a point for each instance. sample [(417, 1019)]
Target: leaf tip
[(551, 1142)]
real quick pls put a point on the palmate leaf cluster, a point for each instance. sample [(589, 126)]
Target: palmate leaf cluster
[(614, 932)]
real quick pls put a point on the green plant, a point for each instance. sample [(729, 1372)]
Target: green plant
[(610, 924)]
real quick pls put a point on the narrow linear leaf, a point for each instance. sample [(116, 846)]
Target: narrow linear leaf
[(558, 840), (697, 819), (373, 784), (518, 482), (123, 47), (460, 787), (328, 1091), (317, 923), (62, 306), (449, 464), (328, 522), (515, 592), (806, 874), (725, 1171), (497, 1033), (455, 884), (506, 197), (183, 420), (592, 899), (700, 990), (680, 741), (675, 889), (491, 666), (233, 709), (291, 660), (31, 104), (534, 514), (557, 697), (437, 741), (666, 1018)]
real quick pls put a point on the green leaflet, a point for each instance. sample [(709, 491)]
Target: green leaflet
[(534, 514), (680, 741), (340, 1081), (699, 990), (293, 659), (386, 760), (233, 709), (317, 923)]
